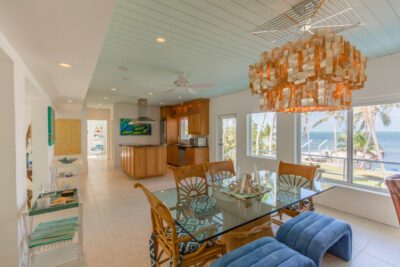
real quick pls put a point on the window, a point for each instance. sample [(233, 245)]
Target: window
[(262, 134), (376, 144), (324, 142), (363, 156), (184, 128)]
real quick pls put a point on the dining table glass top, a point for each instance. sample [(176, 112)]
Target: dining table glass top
[(208, 216)]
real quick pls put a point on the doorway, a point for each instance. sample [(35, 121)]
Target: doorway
[(97, 138), (227, 138)]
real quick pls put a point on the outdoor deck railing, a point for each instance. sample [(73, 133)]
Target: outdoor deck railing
[(328, 164)]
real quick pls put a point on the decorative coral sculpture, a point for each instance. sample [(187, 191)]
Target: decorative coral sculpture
[(246, 185)]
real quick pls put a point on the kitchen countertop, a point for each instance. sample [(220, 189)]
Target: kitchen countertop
[(139, 145), (188, 145)]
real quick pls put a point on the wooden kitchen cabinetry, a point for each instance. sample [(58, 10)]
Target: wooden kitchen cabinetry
[(144, 161), (196, 155), (173, 155)]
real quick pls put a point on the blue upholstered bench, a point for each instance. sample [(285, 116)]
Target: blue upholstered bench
[(313, 234), (266, 252)]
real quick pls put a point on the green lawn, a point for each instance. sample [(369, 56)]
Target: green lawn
[(374, 178)]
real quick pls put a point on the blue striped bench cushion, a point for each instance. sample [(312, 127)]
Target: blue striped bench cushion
[(313, 234), (264, 252)]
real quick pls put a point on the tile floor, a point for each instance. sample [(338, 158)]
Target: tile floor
[(117, 224)]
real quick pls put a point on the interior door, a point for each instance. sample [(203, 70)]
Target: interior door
[(227, 138)]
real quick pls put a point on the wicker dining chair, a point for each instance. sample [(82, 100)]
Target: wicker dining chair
[(191, 181), (298, 175), (220, 171), (171, 243)]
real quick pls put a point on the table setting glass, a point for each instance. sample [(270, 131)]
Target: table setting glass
[(220, 211)]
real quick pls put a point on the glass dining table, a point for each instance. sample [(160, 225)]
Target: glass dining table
[(207, 217)]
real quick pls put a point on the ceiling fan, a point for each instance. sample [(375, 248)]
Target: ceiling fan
[(306, 18), (183, 84)]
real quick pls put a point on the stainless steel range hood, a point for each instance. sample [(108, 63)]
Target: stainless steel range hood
[(142, 113)]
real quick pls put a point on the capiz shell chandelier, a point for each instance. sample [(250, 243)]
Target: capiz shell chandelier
[(317, 73)]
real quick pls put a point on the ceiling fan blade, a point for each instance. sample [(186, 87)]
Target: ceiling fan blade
[(310, 31), (191, 91), (170, 91), (202, 85), (331, 26)]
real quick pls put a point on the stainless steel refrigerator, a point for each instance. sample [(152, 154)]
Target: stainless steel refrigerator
[(163, 132)]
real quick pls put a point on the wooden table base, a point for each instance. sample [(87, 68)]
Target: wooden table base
[(247, 233)]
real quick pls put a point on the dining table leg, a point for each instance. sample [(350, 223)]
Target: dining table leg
[(249, 232)]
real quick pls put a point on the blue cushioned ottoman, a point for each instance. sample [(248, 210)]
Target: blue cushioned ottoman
[(314, 234), (266, 252)]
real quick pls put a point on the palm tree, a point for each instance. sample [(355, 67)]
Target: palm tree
[(306, 131), (271, 134), (367, 117), (338, 121), (259, 133)]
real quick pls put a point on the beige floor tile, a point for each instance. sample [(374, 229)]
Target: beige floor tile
[(365, 260)]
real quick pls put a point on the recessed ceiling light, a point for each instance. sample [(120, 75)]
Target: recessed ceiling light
[(69, 101), (114, 89), (64, 65), (160, 40), (99, 104), (179, 97), (105, 98), (150, 93), (161, 103)]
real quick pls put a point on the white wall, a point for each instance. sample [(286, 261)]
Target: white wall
[(13, 159), (383, 86), (102, 114), (241, 104), (42, 153), (8, 164), (130, 111)]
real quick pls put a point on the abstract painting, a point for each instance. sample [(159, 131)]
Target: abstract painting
[(133, 129), (51, 126)]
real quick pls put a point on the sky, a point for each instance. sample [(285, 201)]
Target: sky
[(327, 126)]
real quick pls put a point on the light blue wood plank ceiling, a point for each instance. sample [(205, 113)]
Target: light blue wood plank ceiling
[(209, 40)]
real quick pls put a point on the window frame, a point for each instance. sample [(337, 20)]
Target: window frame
[(181, 119), (249, 137), (349, 179)]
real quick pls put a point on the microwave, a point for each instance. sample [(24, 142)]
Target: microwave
[(198, 141)]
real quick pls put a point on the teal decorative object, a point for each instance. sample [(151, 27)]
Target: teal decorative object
[(133, 129), (51, 126), (67, 160)]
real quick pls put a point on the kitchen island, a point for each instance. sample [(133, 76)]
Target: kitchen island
[(142, 161)]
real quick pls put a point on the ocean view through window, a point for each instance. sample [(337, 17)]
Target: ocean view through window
[(324, 142), (374, 139), (262, 134)]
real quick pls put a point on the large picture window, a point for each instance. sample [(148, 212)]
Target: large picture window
[(376, 143), (371, 150), (262, 134), (324, 142)]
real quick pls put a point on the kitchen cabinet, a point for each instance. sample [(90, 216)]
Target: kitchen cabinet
[(172, 125), (198, 121), (141, 161), (196, 155), (173, 155)]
